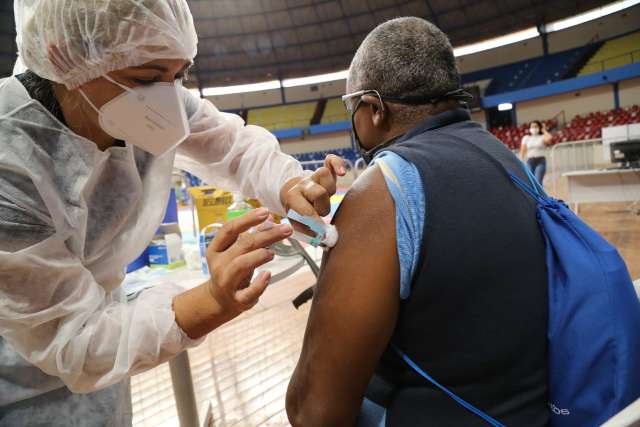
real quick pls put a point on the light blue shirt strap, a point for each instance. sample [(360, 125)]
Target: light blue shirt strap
[(469, 407), (371, 414), (405, 186)]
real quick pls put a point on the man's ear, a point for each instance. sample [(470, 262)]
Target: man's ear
[(380, 117), (379, 112)]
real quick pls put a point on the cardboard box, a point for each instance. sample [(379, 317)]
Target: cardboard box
[(211, 204)]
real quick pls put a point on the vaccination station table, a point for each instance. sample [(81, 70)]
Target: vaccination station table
[(180, 368), (603, 185)]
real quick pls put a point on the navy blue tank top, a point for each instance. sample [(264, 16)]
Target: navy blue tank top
[(476, 319)]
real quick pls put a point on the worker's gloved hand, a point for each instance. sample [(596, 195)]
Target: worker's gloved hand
[(234, 254), (311, 196)]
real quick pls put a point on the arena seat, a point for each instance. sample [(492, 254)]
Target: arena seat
[(319, 156), (334, 112), (530, 72), (282, 116), (580, 128), (614, 53), (511, 136)]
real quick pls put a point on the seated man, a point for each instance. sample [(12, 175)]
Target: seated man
[(439, 256)]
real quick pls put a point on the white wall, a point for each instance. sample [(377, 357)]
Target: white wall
[(629, 91), (247, 100), (323, 90), (337, 140), (580, 102), (274, 96), (500, 56), (574, 103), (317, 143), (606, 27)]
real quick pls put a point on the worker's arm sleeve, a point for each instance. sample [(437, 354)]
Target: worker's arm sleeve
[(224, 152), (55, 314)]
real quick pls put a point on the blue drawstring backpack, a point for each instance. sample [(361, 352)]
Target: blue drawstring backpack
[(594, 321)]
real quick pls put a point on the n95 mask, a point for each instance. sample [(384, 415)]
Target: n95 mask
[(150, 117)]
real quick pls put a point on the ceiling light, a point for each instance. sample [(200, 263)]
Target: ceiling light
[(516, 37), (590, 15), (253, 87), (505, 106), (320, 78)]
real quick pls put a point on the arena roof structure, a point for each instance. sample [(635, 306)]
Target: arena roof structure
[(248, 41)]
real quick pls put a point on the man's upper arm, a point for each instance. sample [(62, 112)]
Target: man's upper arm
[(354, 311)]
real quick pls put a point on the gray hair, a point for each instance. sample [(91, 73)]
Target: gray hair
[(405, 57)]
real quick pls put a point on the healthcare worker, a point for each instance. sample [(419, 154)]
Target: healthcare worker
[(89, 136)]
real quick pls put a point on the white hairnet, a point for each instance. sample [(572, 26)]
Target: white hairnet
[(75, 41), (18, 67)]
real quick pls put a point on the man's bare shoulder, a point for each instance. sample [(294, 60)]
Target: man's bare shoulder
[(367, 199)]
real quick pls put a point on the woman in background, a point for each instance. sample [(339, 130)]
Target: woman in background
[(533, 147)]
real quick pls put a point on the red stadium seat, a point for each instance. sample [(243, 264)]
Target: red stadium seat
[(579, 128)]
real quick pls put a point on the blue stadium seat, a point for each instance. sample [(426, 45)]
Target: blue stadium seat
[(531, 72), (319, 156)]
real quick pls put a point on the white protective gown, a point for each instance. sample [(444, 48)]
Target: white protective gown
[(71, 219)]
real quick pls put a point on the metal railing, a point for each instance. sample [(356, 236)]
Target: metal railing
[(561, 120), (572, 156), (284, 124), (612, 62)]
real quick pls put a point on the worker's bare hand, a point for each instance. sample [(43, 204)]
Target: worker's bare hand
[(233, 257), (311, 196)]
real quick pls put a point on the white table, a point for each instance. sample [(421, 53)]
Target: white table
[(629, 417), (603, 185)]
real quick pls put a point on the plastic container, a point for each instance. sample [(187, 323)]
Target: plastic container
[(238, 208), (207, 234), (165, 251)]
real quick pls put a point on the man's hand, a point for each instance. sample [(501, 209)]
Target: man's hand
[(311, 196)]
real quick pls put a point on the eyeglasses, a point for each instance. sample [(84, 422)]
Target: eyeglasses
[(351, 107), (459, 95)]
